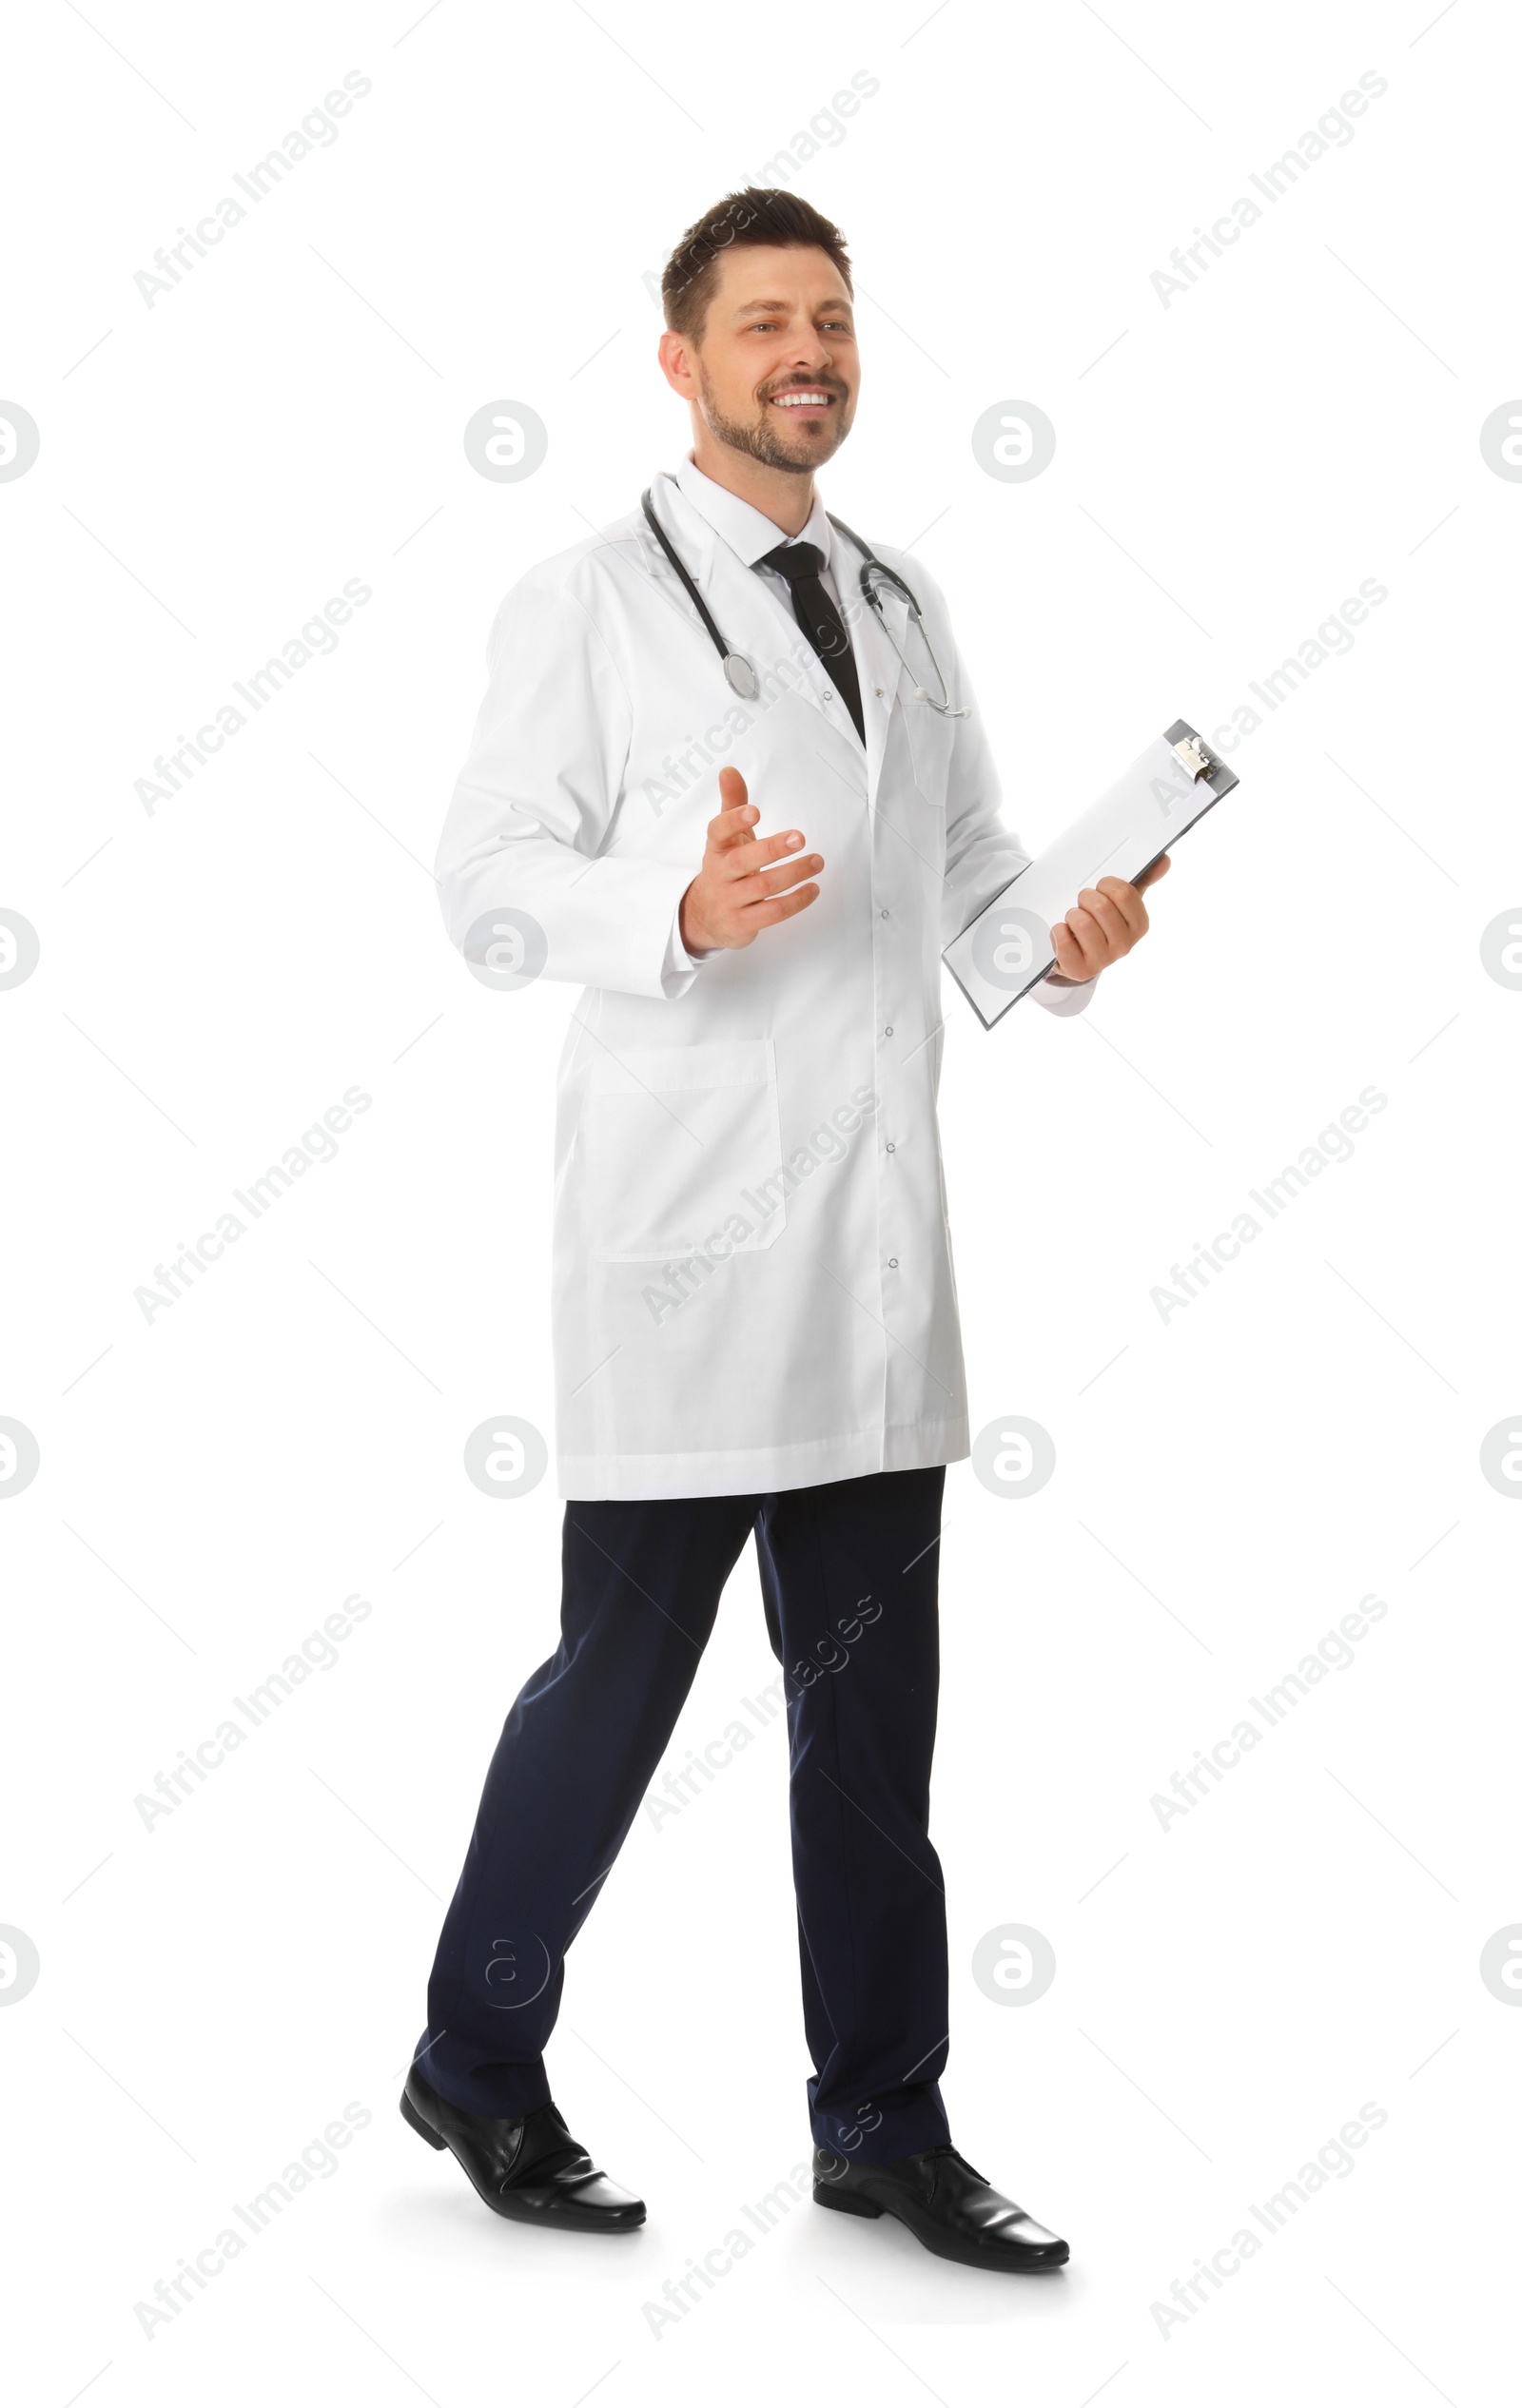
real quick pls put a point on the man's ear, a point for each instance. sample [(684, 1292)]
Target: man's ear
[(677, 364)]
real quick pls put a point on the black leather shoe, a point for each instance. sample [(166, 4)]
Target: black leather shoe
[(526, 2166), (945, 2205)]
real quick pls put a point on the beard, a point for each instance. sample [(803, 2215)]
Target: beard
[(766, 441)]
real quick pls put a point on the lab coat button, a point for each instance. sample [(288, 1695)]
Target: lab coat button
[(892, 1262), (892, 1147), (889, 1030)]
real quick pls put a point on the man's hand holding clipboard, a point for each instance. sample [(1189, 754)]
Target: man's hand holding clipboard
[(1109, 858), (1101, 926)]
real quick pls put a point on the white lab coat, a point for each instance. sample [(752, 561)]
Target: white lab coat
[(752, 1286)]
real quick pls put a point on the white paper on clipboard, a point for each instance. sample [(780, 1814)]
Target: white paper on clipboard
[(1006, 950)]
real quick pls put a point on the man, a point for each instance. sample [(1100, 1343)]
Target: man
[(705, 785)]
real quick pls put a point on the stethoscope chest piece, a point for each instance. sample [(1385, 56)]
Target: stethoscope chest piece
[(740, 676)]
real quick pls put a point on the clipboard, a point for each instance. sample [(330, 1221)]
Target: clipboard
[(1007, 948)]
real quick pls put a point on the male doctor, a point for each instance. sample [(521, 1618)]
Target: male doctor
[(746, 829)]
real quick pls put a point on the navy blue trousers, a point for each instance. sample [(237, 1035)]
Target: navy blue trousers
[(849, 1581)]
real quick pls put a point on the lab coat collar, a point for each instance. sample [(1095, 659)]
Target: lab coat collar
[(748, 531)]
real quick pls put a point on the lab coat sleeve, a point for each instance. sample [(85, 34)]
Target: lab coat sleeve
[(982, 854), (531, 824), (678, 958)]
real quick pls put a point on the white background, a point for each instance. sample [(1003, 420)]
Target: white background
[(1229, 1991)]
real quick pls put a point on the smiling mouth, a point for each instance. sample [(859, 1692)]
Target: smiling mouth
[(804, 398)]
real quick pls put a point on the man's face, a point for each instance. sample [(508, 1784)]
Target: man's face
[(779, 324)]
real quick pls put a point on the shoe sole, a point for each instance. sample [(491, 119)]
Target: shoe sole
[(499, 2202), (847, 2203)]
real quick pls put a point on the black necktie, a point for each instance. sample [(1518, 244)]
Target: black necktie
[(800, 563)]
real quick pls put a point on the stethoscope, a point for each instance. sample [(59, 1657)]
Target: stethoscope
[(740, 673)]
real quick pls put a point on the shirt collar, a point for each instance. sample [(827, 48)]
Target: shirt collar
[(747, 531)]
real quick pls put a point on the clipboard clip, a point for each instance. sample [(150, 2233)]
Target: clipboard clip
[(1191, 752)]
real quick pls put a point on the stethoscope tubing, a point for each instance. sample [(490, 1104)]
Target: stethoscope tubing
[(870, 566), (701, 607)]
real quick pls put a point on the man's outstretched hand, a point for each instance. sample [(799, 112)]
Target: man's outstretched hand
[(1104, 924), (738, 891)]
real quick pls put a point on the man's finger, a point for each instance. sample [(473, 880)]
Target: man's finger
[(782, 908), (1070, 960), (730, 826), (1119, 909), (1080, 933), (770, 848), (1149, 877), (733, 789), (1128, 903), (773, 881)]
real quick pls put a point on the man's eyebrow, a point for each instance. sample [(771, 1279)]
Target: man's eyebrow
[(746, 307)]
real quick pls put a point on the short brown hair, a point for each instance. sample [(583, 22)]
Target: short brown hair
[(740, 220)]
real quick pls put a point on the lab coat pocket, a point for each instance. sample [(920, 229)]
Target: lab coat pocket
[(680, 1144)]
